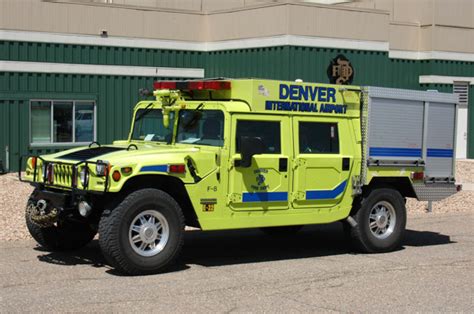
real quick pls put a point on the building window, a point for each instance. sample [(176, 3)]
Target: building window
[(62, 122), (318, 138)]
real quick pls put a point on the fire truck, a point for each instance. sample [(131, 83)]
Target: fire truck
[(222, 154)]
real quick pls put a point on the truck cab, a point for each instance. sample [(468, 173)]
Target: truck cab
[(226, 154)]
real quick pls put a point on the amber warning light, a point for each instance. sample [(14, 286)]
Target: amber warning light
[(192, 85)]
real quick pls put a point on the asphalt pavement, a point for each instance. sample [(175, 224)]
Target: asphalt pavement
[(248, 271)]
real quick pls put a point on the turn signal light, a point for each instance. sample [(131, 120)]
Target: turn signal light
[(33, 162), (116, 175), (181, 168)]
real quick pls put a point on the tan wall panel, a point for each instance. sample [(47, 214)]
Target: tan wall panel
[(83, 19), (426, 39), (419, 11), (179, 4), (174, 26), (41, 16), (32, 15), (454, 12), (404, 37), (215, 5), (329, 22), (453, 39), (269, 21)]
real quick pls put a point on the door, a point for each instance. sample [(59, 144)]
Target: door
[(265, 184), (461, 135), (321, 172)]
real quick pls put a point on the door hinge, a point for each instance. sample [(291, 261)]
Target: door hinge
[(234, 198), (298, 196), (299, 162)]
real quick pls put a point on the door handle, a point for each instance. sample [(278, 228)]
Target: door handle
[(283, 165), (346, 162)]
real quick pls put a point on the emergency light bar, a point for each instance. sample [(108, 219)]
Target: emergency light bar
[(192, 85)]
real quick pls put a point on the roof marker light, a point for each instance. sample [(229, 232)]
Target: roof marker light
[(192, 85)]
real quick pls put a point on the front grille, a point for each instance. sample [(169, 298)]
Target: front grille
[(63, 174)]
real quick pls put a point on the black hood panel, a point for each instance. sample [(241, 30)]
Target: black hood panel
[(89, 153)]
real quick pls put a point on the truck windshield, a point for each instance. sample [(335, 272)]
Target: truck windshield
[(201, 127), (149, 126)]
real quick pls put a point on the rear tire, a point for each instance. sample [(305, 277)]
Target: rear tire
[(63, 236), (143, 234), (381, 221)]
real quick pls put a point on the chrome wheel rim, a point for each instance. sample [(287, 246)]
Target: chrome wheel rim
[(382, 220), (148, 233)]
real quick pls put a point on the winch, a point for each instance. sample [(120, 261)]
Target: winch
[(41, 214)]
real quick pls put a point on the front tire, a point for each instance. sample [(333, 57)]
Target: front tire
[(143, 234), (381, 221), (63, 236)]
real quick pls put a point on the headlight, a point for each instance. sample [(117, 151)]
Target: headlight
[(102, 168), (84, 176)]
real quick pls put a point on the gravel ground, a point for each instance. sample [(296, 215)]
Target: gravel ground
[(14, 194)]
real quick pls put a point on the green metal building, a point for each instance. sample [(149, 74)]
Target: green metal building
[(46, 103)]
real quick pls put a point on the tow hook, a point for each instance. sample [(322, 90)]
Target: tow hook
[(41, 206)]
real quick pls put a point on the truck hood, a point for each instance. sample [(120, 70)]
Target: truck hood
[(142, 156)]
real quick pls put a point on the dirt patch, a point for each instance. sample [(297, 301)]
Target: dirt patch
[(465, 171), (13, 197)]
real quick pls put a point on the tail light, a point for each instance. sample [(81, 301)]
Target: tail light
[(417, 176)]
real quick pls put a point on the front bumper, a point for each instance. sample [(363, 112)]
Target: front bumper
[(68, 179), (58, 200)]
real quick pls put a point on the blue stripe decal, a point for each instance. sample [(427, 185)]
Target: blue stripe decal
[(409, 152), (265, 197), (326, 194), (437, 152), (393, 151), (155, 168)]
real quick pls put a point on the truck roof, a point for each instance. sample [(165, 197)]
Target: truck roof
[(275, 97)]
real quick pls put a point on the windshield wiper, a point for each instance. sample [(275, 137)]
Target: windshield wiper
[(195, 118), (145, 112)]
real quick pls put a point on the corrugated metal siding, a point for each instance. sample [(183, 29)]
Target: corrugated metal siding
[(65, 53), (244, 63), (14, 119), (116, 96)]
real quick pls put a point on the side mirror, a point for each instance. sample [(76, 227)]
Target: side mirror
[(250, 146)]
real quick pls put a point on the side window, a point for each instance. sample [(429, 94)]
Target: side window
[(268, 131), (318, 138)]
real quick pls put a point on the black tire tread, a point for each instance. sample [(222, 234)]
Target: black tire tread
[(64, 237), (110, 223), (358, 236)]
